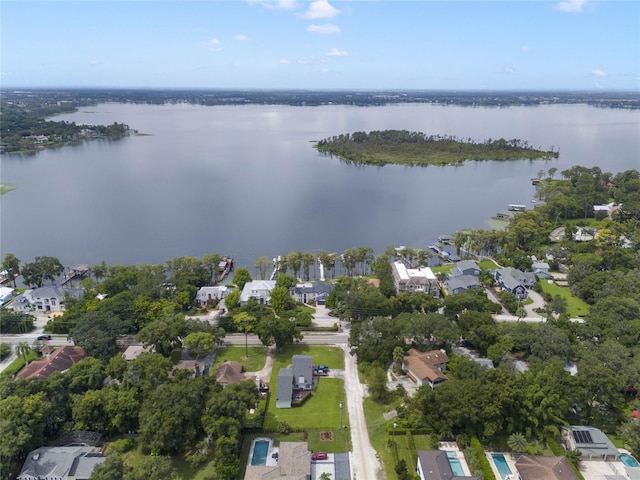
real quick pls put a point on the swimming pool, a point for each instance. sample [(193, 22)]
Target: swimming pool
[(501, 465), (456, 466), (628, 460), (260, 450)]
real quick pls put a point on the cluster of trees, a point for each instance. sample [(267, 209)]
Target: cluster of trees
[(33, 273), (416, 148), (173, 415)]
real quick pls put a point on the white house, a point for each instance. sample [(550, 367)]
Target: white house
[(258, 289), (420, 279), (207, 295)]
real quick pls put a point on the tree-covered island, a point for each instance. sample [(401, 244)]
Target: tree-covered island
[(382, 147)]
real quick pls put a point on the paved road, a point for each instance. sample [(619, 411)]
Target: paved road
[(311, 338), (365, 463)]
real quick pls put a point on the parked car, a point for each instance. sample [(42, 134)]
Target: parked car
[(319, 456), (44, 337)]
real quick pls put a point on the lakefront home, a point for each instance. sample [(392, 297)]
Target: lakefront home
[(312, 291), (515, 281), (258, 289), (420, 279)]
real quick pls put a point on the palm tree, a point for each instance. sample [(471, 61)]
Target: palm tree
[(517, 442), (398, 355), (22, 350)]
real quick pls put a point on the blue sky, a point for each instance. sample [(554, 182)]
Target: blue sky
[(322, 44)]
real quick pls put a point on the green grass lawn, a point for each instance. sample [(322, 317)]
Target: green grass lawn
[(332, 357), (321, 411), (488, 264), (179, 462), (575, 306), (446, 268), (253, 363), (15, 366)]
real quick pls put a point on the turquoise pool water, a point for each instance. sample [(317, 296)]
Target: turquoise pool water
[(628, 460), (260, 450), (456, 466), (501, 465)]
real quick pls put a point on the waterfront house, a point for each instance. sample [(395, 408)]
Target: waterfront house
[(316, 291), (258, 289), (61, 463), (461, 283), (207, 295), (466, 267), (426, 368), (420, 279)]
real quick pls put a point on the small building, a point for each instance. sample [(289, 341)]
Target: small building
[(541, 269), (420, 279), (207, 295), (5, 294), (134, 351), (60, 360), (435, 465), (426, 368), (592, 443), (189, 365), (258, 289), (538, 467), (312, 291), (229, 372), (60, 463)]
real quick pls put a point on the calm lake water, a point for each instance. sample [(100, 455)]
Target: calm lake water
[(245, 180)]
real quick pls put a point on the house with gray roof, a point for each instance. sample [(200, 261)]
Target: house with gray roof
[(434, 465), (461, 283), (284, 388), (312, 291), (466, 267), (302, 372), (43, 299), (515, 281), (541, 269), (61, 463), (258, 289), (591, 442)]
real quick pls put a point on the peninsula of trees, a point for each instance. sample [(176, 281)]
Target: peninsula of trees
[(401, 147)]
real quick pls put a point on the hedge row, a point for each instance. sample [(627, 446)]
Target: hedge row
[(485, 468)]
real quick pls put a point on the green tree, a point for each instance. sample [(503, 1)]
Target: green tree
[(517, 442), (245, 323), (163, 334), (629, 431), (241, 277), (11, 265), (15, 322), (5, 350), (41, 269), (147, 372), (199, 344), (286, 281), (377, 381), (153, 468), (22, 350), (308, 260), (232, 300), (96, 332), (262, 266), (113, 468), (280, 331), (281, 299), (398, 356)]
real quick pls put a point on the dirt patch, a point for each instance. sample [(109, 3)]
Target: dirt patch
[(326, 436)]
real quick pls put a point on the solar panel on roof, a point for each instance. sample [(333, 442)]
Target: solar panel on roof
[(582, 436)]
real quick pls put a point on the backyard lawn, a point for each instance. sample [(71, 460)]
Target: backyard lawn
[(575, 306), (255, 361)]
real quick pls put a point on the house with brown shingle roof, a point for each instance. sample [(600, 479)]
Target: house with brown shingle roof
[(537, 467), (59, 360), (426, 368), (229, 372)]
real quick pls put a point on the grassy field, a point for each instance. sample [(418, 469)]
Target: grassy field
[(380, 440), (179, 462), (575, 306), (332, 357), (252, 363)]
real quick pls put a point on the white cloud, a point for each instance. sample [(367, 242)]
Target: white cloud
[(284, 61), (334, 52), (598, 73), (5, 74), (571, 6), (525, 49), (241, 38), (93, 62), (508, 70), (213, 44), (321, 9), (276, 4), (324, 29)]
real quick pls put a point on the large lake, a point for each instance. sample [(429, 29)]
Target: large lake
[(245, 180)]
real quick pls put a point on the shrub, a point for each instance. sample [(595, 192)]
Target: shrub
[(485, 469), (5, 350), (121, 445)]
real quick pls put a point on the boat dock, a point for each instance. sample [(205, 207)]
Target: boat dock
[(224, 268), (77, 271)]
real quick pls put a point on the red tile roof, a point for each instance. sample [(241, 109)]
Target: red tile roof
[(59, 360)]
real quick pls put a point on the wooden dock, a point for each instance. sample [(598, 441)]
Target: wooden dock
[(224, 268), (77, 271)]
